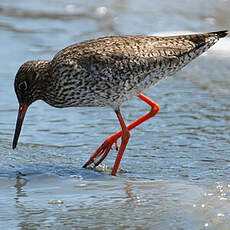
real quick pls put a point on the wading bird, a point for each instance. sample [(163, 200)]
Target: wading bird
[(107, 71)]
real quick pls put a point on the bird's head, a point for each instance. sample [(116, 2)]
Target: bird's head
[(28, 85)]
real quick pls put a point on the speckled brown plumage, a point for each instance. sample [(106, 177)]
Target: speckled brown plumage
[(107, 71), (111, 70)]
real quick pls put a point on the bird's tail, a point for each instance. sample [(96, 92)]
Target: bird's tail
[(221, 33), (205, 41)]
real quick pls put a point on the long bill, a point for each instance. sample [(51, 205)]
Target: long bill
[(21, 114)]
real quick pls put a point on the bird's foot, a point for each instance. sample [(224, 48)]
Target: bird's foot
[(103, 151)]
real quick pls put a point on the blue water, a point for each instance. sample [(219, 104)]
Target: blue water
[(175, 171)]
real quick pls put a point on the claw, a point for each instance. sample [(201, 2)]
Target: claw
[(102, 151), (116, 145)]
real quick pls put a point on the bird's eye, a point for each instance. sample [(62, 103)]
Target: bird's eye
[(22, 86)]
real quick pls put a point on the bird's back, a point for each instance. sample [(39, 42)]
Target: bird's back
[(117, 68)]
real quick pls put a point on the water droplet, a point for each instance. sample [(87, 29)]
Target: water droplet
[(220, 214), (56, 202), (101, 11)]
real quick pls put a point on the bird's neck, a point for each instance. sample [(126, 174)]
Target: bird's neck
[(45, 80), (49, 85)]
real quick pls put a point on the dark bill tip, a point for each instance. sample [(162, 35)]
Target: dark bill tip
[(21, 114)]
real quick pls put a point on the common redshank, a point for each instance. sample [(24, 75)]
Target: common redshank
[(107, 71)]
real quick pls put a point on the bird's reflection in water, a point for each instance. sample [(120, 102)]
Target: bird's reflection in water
[(21, 181)]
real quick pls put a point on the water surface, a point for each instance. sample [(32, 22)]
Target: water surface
[(175, 171)]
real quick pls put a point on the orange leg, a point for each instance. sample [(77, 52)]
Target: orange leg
[(104, 149), (124, 141)]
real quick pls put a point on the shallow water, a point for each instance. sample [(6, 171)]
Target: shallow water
[(175, 171)]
